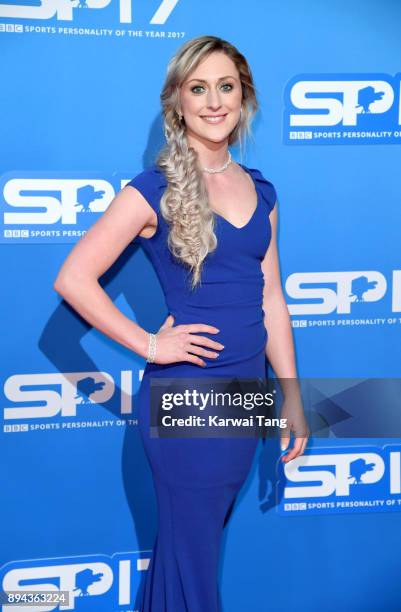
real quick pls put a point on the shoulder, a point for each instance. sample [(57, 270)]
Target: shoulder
[(266, 188), (152, 175), (151, 183)]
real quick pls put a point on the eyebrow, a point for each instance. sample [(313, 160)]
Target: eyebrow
[(229, 76)]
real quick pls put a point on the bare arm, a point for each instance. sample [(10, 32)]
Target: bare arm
[(280, 346), (78, 283), (77, 280), (280, 349)]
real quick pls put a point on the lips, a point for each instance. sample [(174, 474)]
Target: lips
[(214, 118)]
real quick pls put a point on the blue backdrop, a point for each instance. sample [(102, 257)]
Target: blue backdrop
[(80, 117)]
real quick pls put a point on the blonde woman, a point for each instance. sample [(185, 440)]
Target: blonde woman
[(208, 225)]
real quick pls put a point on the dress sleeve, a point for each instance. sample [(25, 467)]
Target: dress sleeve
[(266, 188), (150, 183)]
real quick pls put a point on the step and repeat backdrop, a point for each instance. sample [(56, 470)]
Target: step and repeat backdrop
[(80, 111)]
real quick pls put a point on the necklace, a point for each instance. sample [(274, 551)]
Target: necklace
[(213, 170)]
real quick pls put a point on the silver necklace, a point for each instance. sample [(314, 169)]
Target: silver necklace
[(213, 170)]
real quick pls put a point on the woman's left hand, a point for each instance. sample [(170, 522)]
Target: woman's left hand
[(292, 410)]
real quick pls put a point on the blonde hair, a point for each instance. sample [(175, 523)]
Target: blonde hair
[(184, 204)]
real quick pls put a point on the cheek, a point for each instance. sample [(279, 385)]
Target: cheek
[(191, 104), (236, 98)]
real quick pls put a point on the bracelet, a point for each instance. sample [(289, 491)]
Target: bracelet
[(152, 348)]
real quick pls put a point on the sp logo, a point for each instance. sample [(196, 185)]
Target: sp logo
[(333, 102), (65, 393), (52, 201), (339, 291)]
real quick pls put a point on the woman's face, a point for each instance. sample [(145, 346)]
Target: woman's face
[(212, 89)]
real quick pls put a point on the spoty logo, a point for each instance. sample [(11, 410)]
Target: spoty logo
[(96, 581), (39, 207), (342, 108), (343, 479), (66, 393), (63, 10)]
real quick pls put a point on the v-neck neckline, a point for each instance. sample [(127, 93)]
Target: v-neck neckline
[(256, 207)]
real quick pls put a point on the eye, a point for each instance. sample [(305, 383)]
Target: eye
[(197, 87)]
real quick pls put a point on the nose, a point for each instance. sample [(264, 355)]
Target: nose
[(213, 100)]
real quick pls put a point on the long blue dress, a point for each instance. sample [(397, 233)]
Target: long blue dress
[(197, 479)]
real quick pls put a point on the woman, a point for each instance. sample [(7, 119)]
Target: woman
[(209, 227)]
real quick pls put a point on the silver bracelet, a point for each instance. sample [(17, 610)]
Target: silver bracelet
[(152, 348)]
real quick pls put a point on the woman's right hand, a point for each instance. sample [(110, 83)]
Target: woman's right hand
[(181, 343)]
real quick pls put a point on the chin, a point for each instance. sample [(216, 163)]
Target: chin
[(215, 139), (214, 134)]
